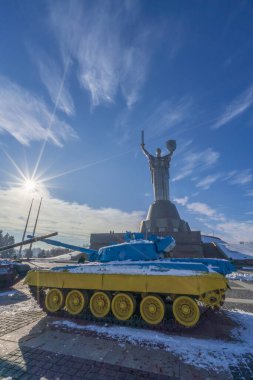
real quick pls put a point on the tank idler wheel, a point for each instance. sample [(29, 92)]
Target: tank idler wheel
[(152, 309), (212, 299), (123, 306), (100, 304), (186, 311), (76, 301), (54, 300)]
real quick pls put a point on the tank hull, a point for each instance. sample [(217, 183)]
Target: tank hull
[(162, 284), (127, 296)]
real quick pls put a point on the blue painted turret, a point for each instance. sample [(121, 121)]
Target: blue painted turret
[(146, 253), (134, 250)]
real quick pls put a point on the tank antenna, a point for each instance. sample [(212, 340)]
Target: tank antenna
[(27, 220), (35, 225)]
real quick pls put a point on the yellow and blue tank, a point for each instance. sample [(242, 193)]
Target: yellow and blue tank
[(133, 280)]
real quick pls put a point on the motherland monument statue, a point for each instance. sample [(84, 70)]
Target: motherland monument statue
[(163, 217), (159, 169)]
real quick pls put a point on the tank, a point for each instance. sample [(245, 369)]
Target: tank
[(11, 272), (132, 281)]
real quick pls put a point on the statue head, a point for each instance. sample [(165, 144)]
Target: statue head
[(158, 152)]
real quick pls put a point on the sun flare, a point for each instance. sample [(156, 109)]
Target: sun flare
[(30, 185)]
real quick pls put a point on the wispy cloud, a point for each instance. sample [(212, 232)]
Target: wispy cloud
[(236, 108), (168, 114), (52, 78), (204, 209), (181, 201), (94, 35), (214, 221), (26, 117), (234, 230), (242, 177), (73, 221), (249, 193), (193, 161), (209, 180)]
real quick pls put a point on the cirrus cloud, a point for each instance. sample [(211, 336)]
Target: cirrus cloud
[(27, 117)]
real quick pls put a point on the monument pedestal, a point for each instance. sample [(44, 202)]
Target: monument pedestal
[(163, 219)]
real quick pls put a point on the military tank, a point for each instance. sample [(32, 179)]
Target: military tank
[(12, 271), (131, 281)]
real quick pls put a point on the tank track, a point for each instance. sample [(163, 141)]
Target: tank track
[(169, 324)]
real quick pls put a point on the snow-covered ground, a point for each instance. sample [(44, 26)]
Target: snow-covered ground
[(240, 276), (204, 353)]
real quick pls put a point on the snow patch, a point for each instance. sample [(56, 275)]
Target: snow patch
[(231, 251), (202, 353), (211, 239), (142, 268), (240, 276), (8, 293)]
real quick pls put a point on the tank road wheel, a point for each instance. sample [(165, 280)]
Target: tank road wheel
[(76, 302), (100, 304), (186, 311), (152, 309), (123, 306), (54, 300)]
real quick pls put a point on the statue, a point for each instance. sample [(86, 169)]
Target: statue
[(159, 168)]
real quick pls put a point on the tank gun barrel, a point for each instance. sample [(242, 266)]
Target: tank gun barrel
[(31, 240), (89, 252)]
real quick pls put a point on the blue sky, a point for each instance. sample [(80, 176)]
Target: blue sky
[(79, 80)]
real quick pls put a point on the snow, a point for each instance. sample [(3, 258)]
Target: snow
[(240, 276), (125, 268), (244, 249), (137, 241), (199, 352), (25, 306), (6, 262), (8, 293), (211, 239), (231, 250), (71, 256)]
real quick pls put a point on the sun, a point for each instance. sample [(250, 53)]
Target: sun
[(30, 185)]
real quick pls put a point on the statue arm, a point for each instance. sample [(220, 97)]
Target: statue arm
[(168, 156), (145, 151)]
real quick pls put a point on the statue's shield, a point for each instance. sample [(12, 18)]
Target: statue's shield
[(171, 145)]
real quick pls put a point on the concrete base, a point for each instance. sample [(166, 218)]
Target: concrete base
[(163, 219)]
